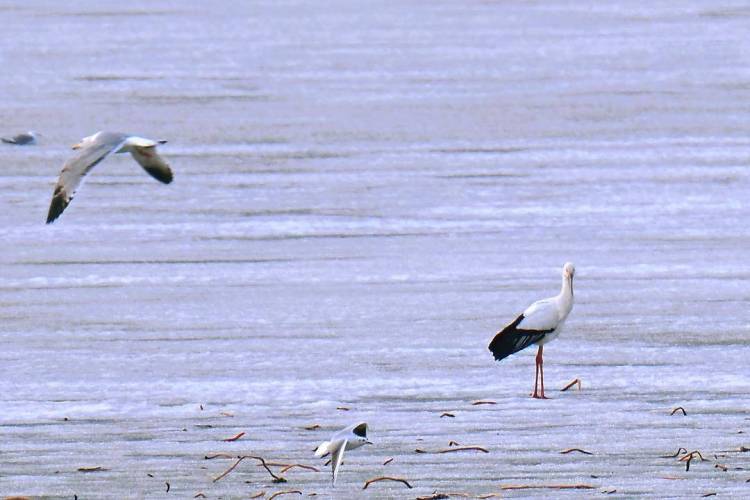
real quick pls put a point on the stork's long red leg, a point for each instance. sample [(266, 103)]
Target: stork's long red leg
[(536, 381), (540, 371)]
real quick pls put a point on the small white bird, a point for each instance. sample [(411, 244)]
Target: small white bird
[(94, 149), (24, 139), (540, 323), (350, 438)]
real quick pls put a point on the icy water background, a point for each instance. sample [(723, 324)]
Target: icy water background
[(364, 193)]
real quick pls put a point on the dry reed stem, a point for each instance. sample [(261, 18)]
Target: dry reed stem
[(285, 492), (571, 450), (234, 438), (301, 466), (548, 486), (386, 478), (98, 468), (483, 402), (276, 479), (676, 453), (571, 384), (457, 448)]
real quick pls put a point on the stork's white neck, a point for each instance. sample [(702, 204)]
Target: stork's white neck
[(565, 298)]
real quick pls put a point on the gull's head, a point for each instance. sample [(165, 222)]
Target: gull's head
[(569, 270), (360, 434), (85, 141)]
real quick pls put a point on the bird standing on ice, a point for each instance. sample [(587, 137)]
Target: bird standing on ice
[(95, 148), (540, 323), (350, 438)]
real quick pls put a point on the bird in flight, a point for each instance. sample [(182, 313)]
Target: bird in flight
[(95, 148), (540, 323), (23, 139), (349, 438)]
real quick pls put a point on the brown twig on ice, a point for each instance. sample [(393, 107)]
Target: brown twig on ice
[(388, 461), (218, 455), (234, 438), (301, 466), (386, 478), (456, 448), (435, 496), (91, 469), (260, 494), (483, 402), (571, 450), (547, 486), (446, 414), (689, 457), (276, 479), (342, 408), (571, 384), (453, 443), (464, 448), (286, 492), (311, 427), (679, 408), (676, 453), (199, 495), (721, 466)]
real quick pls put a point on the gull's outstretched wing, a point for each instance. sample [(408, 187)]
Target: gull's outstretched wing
[(337, 456), (152, 163), (74, 170)]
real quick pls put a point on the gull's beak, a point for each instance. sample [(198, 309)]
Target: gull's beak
[(76, 146), (369, 442)]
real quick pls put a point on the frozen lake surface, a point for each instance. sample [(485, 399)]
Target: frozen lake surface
[(364, 194)]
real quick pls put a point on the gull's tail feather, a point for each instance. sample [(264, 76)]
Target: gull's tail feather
[(323, 449)]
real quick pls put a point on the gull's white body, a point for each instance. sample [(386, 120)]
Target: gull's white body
[(95, 148), (346, 439)]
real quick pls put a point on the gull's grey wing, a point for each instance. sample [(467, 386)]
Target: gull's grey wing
[(152, 163), (76, 168), (336, 457)]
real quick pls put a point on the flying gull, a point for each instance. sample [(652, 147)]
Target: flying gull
[(95, 148), (24, 139), (540, 323), (350, 438)]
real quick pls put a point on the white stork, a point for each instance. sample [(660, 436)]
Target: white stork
[(540, 323)]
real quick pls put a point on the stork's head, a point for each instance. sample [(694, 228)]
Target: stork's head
[(569, 270)]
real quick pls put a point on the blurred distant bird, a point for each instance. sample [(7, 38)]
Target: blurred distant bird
[(540, 323), (350, 438), (94, 149), (25, 139)]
